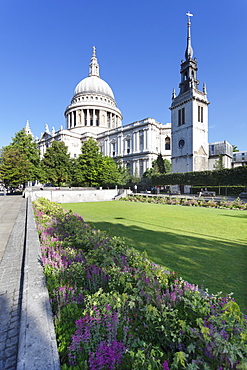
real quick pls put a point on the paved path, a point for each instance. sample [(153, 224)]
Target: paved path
[(12, 233)]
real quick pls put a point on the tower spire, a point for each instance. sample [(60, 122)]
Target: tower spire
[(189, 66), (94, 66), (189, 50)]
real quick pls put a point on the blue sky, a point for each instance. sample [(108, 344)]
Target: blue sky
[(46, 48)]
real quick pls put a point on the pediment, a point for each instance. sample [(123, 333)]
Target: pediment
[(201, 151), (45, 136)]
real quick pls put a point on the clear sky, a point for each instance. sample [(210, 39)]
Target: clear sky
[(46, 47)]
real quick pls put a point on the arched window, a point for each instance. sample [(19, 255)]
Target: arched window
[(167, 143)]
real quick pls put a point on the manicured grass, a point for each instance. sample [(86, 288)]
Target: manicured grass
[(206, 246)]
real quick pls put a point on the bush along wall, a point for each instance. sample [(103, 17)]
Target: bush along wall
[(234, 176), (114, 309), (191, 202), (221, 190)]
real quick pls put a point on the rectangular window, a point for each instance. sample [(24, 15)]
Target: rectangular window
[(200, 114), (181, 116), (128, 146), (113, 149)]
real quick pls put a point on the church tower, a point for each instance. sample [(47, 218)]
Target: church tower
[(189, 117)]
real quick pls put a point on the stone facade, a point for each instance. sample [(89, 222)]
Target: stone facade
[(93, 112), (189, 118)]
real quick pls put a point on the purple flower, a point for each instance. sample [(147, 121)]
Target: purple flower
[(107, 356), (165, 365)]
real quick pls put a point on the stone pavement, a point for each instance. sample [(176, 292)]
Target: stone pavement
[(12, 230), (27, 336)]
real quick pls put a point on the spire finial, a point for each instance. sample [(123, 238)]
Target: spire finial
[(189, 15), (94, 51), (189, 50), (94, 66)]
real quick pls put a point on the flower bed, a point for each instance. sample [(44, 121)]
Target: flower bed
[(192, 202), (114, 309)]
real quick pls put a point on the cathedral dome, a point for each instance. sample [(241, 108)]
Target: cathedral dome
[(93, 107), (94, 84)]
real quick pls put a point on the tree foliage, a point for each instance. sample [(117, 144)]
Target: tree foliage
[(160, 164), (235, 148), (109, 174), (219, 165), (92, 168), (20, 160), (160, 167), (56, 163), (124, 173)]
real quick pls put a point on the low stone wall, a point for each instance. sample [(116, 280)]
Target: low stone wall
[(75, 196), (37, 339)]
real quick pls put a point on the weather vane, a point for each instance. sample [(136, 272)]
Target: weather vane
[(189, 15)]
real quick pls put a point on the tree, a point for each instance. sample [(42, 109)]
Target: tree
[(124, 173), (56, 163), (168, 166), (219, 165), (160, 164), (20, 161), (87, 165), (235, 148), (109, 174), (92, 168), (15, 167)]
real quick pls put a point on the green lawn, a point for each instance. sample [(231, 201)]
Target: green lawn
[(206, 246)]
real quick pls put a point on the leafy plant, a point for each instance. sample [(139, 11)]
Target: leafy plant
[(114, 309)]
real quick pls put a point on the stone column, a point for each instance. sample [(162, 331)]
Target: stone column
[(77, 118), (68, 120), (72, 119), (94, 118), (88, 117), (134, 141), (119, 145), (144, 139), (149, 139), (106, 146), (138, 141), (111, 120), (82, 117)]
